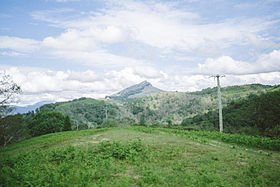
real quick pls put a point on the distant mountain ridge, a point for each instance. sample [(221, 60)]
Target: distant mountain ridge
[(25, 109), (136, 91)]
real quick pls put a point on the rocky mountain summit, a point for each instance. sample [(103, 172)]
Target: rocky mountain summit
[(139, 90)]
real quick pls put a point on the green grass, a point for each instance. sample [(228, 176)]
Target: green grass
[(139, 156)]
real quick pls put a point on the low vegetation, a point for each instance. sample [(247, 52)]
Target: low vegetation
[(141, 156)]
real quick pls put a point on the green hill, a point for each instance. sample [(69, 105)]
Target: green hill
[(256, 115), (176, 106), (157, 107), (84, 112), (139, 156)]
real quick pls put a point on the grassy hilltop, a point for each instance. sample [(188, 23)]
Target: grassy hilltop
[(141, 156)]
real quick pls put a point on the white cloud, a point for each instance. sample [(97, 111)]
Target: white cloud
[(11, 53), (46, 85), (162, 26), (226, 65), (18, 44), (86, 40)]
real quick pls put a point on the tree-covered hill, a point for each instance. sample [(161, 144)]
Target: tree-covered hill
[(256, 115), (85, 112), (175, 106), (157, 108)]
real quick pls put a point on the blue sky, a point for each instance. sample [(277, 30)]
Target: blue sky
[(59, 50)]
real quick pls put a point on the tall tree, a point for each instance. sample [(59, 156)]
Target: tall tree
[(11, 129), (8, 89), (47, 122), (11, 126), (67, 124)]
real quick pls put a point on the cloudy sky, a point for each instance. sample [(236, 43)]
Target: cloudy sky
[(58, 50)]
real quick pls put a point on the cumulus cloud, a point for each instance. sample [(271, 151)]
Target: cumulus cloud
[(18, 44), (47, 85), (44, 84), (226, 65), (171, 39), (90, 37)]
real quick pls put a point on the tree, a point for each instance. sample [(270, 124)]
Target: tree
[(67, 124), (47, 122), (8, 90), (109, 123), (142, 121), (11, 129)]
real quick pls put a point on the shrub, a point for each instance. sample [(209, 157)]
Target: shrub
[(109, 123), (48, 122)]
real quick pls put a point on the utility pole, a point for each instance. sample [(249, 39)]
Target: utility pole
[(220, 102)]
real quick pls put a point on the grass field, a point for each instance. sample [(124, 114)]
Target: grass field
[(140, 156)]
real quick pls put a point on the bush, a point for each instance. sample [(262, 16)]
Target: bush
[(109, 123), (48, 122)]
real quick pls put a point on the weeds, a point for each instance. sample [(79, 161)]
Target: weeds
[(163, 160)]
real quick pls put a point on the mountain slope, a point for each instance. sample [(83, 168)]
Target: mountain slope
[(159, 107), (85, 112), (255, 115), (175, 106), (25, 109), (139, 90)]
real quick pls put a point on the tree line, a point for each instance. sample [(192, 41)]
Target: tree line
[(17, 127)]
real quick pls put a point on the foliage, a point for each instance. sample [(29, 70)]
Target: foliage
[(127, 122), (255, 115), (8, 89), (159, 158), (67, 124), (109, 123), (180, 105), (48, 122), (12, 129), (87, 113), (84, 111), (142, 121)]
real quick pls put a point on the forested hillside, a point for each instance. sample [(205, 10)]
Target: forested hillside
[(256, 115), (84, 112), (164, 108)]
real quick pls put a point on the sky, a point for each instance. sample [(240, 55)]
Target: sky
[(59, 50)]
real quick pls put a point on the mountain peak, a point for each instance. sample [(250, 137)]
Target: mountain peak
[(144, 83), (138, 90)]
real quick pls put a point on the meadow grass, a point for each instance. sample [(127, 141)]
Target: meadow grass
[(138, 156)]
